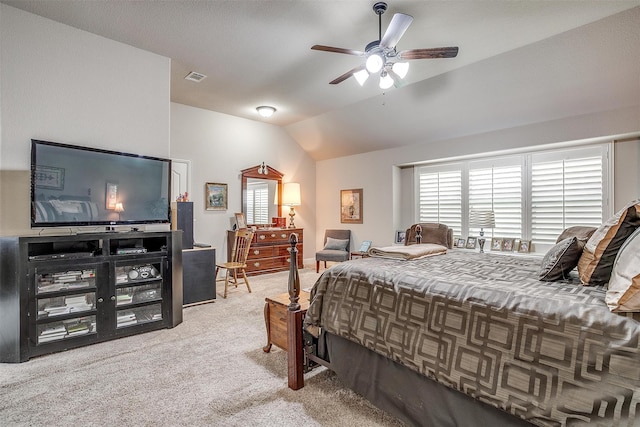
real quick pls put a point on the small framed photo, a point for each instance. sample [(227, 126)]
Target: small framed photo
[(496, 244), (525, 246), (460, 243), (400, 236), (471, 242), (507, 244), (241, 223)]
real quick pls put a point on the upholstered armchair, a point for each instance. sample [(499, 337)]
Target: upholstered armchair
[(336, 247), (431, 233)]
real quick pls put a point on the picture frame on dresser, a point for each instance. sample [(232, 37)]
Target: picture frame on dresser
[(241, 222)]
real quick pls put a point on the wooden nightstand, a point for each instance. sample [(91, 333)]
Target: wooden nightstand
[(357, 254), (275, 318)]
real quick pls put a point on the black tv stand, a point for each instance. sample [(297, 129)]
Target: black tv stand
[(61, 292)]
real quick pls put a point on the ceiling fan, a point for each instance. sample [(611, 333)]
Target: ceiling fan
[(381, 55)]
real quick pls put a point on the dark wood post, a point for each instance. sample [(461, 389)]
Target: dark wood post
[(295, 357)]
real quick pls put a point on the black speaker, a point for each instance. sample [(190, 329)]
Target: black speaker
[(182, 219)]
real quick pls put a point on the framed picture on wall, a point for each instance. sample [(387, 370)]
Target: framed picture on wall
[(351, 206), (215, 196)]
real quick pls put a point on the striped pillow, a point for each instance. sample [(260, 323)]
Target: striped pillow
[(599, 253)]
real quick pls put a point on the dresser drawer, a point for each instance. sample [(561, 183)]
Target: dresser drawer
[(261, 252), (274, 236)]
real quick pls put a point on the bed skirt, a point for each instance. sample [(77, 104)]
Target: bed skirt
[(407, 395)]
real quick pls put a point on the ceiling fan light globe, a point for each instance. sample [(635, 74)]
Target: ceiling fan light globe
[(385, 81), (361, 76), (374, 63), (401, 69)]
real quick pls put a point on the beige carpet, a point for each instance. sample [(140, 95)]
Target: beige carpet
[(209, 370)]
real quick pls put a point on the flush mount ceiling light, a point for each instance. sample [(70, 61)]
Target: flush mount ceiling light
[(266, 110), (380, 56)]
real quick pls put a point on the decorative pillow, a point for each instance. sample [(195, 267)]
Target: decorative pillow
[(336, 244), (560, 260), (596, 262), (583, 233), (624, 286)]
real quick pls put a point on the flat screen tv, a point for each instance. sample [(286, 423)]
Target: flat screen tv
[(81, 186)]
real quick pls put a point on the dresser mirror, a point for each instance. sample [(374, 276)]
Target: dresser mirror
[(261, 194)]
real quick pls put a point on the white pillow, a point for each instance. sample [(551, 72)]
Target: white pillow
[(624, 286)]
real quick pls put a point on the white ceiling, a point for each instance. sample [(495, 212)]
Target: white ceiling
[(258, 52)]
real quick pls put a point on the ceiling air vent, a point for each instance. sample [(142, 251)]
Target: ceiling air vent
[(195, 77)]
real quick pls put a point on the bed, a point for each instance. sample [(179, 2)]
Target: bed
[(465, 338)]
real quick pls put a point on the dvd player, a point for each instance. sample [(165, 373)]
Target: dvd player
[(66, 255), (128, 251)]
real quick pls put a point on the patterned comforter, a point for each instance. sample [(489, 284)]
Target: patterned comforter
[(549, 352)]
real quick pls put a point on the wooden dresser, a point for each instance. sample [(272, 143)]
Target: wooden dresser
[(269, 250)]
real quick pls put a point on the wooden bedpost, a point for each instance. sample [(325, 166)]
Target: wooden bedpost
[(295, 358)]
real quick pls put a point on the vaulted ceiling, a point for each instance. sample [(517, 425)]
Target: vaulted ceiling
[(519, 62)]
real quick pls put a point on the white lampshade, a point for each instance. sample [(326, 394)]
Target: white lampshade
[(482, 219), (266, 110), (361, 76), (374, 63), (291, 194), (385, 81), (401, 69), (119, 207)]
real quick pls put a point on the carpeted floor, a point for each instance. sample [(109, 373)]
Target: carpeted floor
[(209, 370)]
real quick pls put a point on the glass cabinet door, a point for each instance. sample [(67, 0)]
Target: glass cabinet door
[(65, 304), (138, 293)]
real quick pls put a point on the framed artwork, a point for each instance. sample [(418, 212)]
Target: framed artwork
[(525, 246), (400, 236), (507, 244), (241, 222), (496, 244), (111, 195), (471, 242), (351, 206), (215, 196), (49, 177), (460, 243)]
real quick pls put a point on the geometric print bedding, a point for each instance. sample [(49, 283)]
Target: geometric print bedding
[(551, 353)]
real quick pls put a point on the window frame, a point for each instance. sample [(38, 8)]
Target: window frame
[(525, 158)]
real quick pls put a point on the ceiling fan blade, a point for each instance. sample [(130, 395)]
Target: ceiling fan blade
[(337, 50), (438, 52), (398, 25), (346, 75)]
